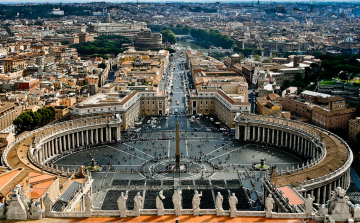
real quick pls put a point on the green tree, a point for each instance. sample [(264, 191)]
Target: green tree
[(168, 36), (102, 65), (38, 23), (267, 60), (257, 57)]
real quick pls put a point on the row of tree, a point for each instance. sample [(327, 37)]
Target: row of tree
[(207, 37), (29, 120), (102, 45), (212, 37)]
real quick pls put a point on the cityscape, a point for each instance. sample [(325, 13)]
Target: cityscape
[(144, 111)]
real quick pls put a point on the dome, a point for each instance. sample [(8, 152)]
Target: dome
[(290, 19), (235, 55)]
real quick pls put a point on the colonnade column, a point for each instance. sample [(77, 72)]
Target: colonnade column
[(96, 136), (263, 136), (324, 195), (272, 137), (268, 135), (286, 139), (77, 139), (101, 134), (56, 146), (318, 195), (64, 143), (253, 136), (53, 147), (329, 191), (73, 140), (259, 135), (60, 144), (110, 138), (282, 138), (87, 137), (118, 133), (68, 142), (45, 151), (290, 143), (82, 138)]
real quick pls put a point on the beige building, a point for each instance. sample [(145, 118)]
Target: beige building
[(8, 112), (129, 105), (354, 129), (216, 101)]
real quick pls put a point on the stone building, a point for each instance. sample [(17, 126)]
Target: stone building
[(146, 39), (354, 129)]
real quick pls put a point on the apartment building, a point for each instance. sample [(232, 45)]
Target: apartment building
[(8, 112), (215, 101), (354, 129), (130, 105)]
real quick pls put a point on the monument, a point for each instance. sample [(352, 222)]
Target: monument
[(196, 203), (160, 204), (176, 199), (233, 202), (219, 202), (122, 204), (138, 202), (269, 205)]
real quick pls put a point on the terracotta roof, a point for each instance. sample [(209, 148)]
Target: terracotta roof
[(11, 179), (329, 113), (288, 192)]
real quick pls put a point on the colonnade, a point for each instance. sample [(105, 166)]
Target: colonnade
[(288, 139), (306, 140), (323, 193), (69, 140)]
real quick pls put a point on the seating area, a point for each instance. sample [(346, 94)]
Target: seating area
[(153, 183), (202, 183), (137, 182), (187, 182), (111, 200), (218, 183), (207, 201), (168, 182), (120, 183), (243, 203), (233, 183), (187, 196), (208, 198), (150, 199)]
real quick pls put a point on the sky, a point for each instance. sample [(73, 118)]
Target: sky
[(196, 1)]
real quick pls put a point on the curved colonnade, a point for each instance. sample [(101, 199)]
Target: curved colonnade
[(329, 157), (48, 142)]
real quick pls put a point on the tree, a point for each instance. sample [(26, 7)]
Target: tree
[(38, 23), (257, 57), (102, 65), (170, 50), (267, 60), (65, 42), (168, 36)]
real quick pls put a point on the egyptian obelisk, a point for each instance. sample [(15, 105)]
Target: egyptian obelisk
[(177, 155)]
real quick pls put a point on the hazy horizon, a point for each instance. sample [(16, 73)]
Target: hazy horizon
[(174, 1)]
